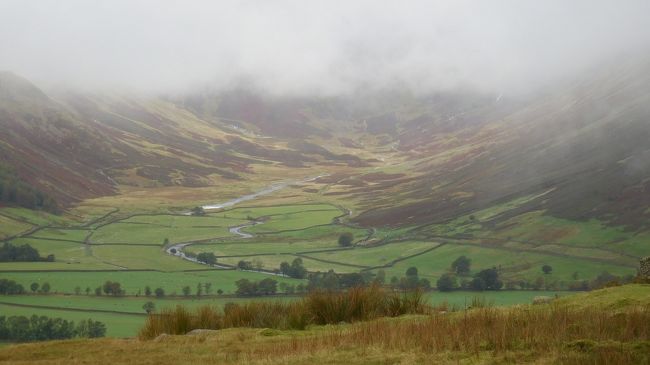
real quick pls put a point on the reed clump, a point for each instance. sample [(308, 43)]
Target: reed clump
[(320, 307), (572, 335)]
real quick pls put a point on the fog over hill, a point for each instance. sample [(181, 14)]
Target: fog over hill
[(305, 48)]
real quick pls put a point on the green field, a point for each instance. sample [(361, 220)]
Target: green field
[(128, 314), (462, 299), (154, 233), (127, 305), (513, 264), (296, 221), (135, 281), (78, 235), (129, 249), (10, 227), (272, 262), (37, 217), (64, 251), (376, 256), (141, 257)]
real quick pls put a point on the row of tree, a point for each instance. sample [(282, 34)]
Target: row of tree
[(10, 287), (41, 328), (22, 253), (487, 279), (247, 287), (294, 270)]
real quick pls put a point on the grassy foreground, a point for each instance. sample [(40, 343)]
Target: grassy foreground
[(610, 326)]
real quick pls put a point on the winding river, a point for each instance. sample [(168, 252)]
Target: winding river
[(177, 249)]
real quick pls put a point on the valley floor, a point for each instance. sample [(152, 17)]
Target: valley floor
[(126, 239)]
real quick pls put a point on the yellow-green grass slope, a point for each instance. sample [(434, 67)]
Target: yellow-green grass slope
[(604, 326)]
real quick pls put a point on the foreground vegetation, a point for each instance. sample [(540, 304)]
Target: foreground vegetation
[(319, 307), (564, 332)]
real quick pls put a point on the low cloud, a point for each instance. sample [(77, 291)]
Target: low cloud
[(309, 47)]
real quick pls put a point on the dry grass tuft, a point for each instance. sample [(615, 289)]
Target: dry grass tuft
[(583, 336), (357, 304)]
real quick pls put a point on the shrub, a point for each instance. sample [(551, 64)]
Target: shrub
[(461, 265), (91, 329), (319, 307), (207, 258), (447, 282), (346, 239)]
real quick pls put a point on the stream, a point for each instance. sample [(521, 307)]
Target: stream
[(177, 249)]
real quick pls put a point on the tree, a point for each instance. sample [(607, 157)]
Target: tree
[(394, 281), (207, 258), (285, 268), (77, 290), (489, 278), (22, 253), (412, 280), (245, 265), (267, 286), (187, 290), (298, 269), (345, 239), (199, 289), (208, 287), (34, 287), (294, 270), (98, 291), (160, 292), (245, 287), (219, 291), (149, 307), (10, 287), (199, 211), (412, 271), (166, 242), (112, 288), (41, 328), (477, 284), (147, 291), (546, 269), (351, 280), (45, 288), (447, 282), (461, 265), (88, 290), (91, 329)]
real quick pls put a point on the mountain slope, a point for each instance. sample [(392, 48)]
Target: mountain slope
[(77, 146), (581, 150)]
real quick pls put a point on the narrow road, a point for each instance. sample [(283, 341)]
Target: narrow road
[(268, 190)]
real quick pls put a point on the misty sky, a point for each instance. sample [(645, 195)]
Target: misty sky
[(324, 47)]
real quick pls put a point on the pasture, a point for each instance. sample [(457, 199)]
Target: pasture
[(125, 245), (134, 282)]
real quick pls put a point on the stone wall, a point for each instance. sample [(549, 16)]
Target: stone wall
[(644, 269)]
